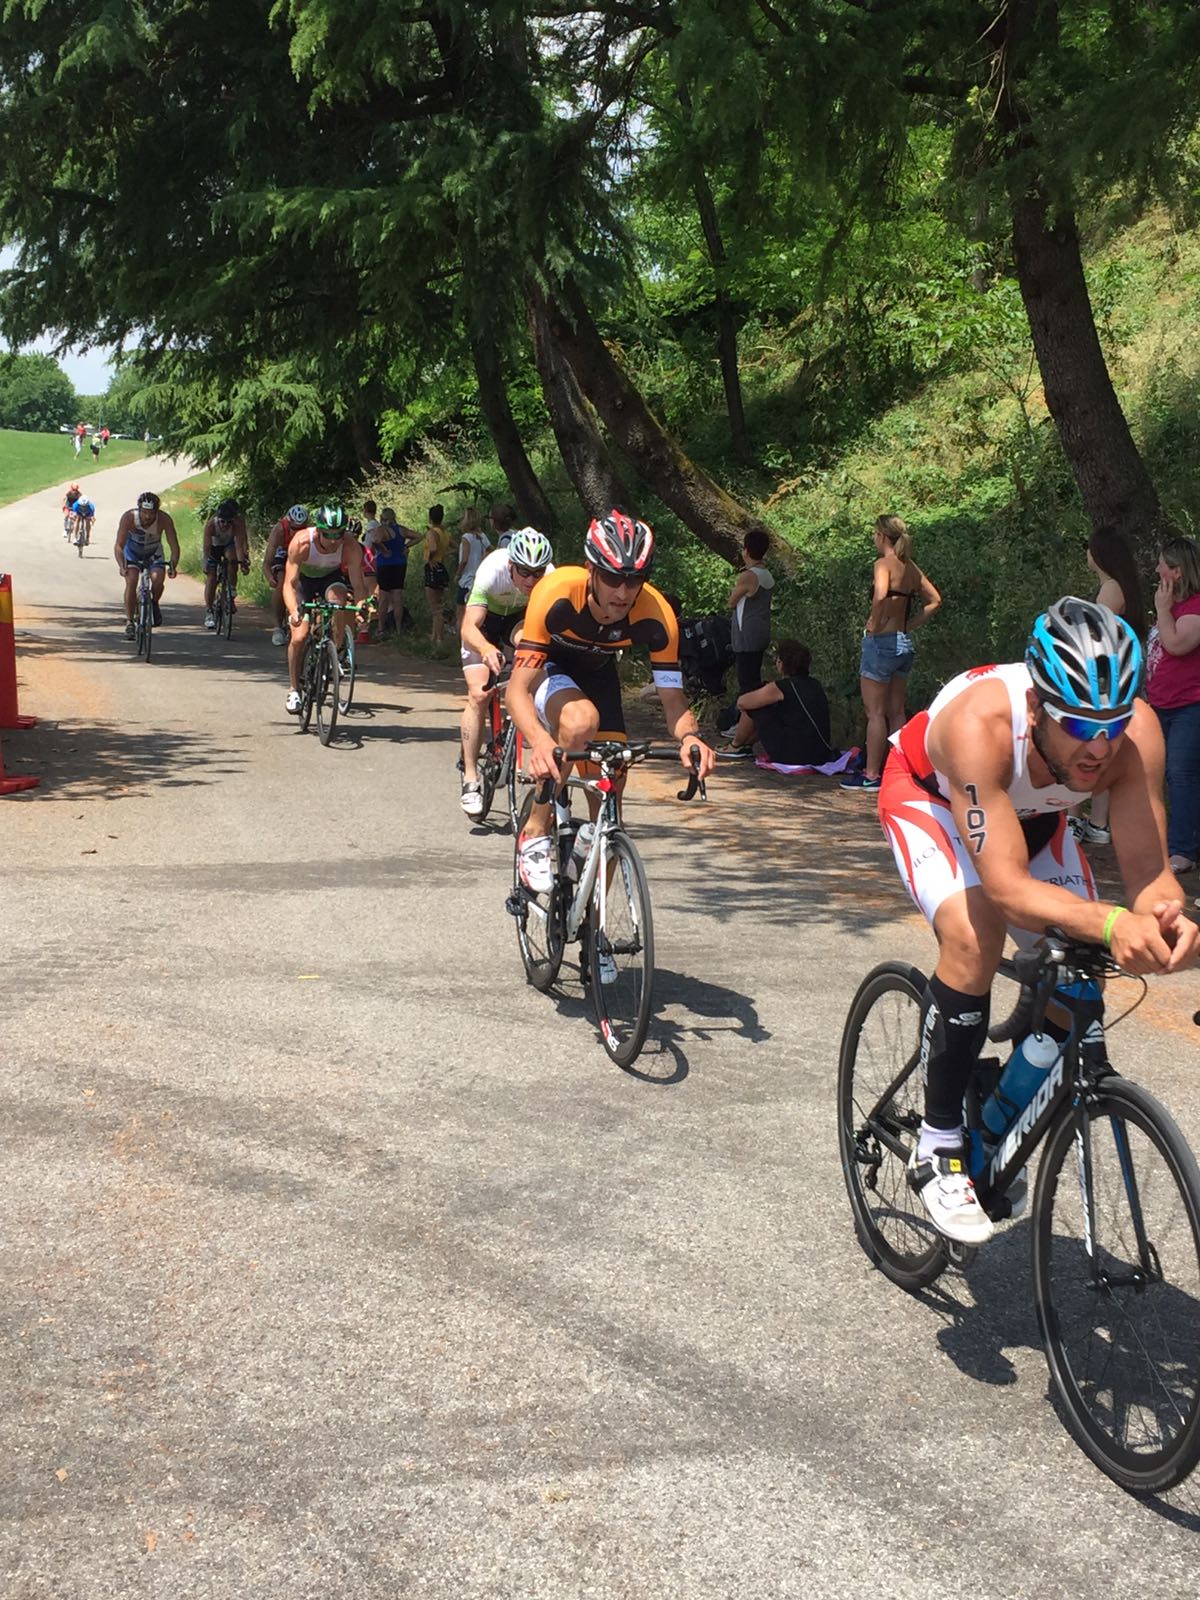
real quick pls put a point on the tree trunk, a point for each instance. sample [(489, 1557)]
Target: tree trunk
[(365, 438), (493, 398), (726, 321), (727, 350), (585, 455), (714, 516), (1108, 470)]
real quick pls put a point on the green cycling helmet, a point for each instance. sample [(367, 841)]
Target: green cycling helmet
[(329, 519)]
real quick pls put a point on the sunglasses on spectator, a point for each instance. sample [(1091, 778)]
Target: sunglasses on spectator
[(1088, 728)]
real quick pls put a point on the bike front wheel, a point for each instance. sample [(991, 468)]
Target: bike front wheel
[(348, 667), (145, 626), (1116, 1272), (880, 1101), (329, 675), (621, 950), (541, 918), (226, 622)]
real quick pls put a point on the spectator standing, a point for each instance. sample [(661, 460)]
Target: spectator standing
[(473, 545), (95, 447), (79, 433), (1173, 689), (105, 436), (370, 526), (392, 541), (750, 602), (1111, 559), (887, 655), (789, 716), (501, 518), (437, 579)]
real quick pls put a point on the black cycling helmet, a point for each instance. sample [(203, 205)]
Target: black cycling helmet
[(330, 520), (148, 500), (1084, 658), (619, 543), (227, 510)]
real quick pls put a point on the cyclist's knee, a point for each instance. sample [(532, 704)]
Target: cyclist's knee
[(578, 721)]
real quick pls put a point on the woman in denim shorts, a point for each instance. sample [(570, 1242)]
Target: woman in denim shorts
[(898, 587)]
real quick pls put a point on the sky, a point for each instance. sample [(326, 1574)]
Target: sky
[(88, 370)]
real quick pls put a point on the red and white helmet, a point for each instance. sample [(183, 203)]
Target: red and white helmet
[(620, 543)]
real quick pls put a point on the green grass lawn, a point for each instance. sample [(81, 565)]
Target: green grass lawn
[(33, 461)]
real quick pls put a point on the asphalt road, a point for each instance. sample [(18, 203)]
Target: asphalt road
[(336, 1261)]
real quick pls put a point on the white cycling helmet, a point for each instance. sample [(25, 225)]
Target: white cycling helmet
[(530, 549)]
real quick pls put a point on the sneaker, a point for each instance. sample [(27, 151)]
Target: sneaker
[(279, 636), (857, 780), (293, 702), (157, 610), (535, 863), (130, 631), (737, 752), (948, 1195), (1089, 832), (472, 799), (209, 620)]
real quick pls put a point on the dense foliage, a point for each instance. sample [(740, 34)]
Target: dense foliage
[(35, 394)]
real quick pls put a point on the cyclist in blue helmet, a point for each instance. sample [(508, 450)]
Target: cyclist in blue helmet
[(974, 802)]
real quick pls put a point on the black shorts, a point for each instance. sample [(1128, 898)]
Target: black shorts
[(602, 687), (317, 588), (436, 576), (391, 578)]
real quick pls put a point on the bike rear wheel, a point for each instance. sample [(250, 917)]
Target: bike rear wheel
[(621, 950), (541, 919), (329, 675), (880, 1101), (1121, 1319)]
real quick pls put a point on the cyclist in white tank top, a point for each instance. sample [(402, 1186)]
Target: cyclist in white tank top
[(973, 801)]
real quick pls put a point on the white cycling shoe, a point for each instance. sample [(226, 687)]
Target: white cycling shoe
[(209, 620), (279, 636), (948, 1195), (472, 799), (293, 702), (535, 863)]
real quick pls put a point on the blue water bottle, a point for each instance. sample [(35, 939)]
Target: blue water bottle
[(1026, 1071)]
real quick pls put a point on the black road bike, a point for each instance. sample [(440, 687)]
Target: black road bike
[(222, 606), (321, 669), (143, 616), (1115, 1220), (602, 900)]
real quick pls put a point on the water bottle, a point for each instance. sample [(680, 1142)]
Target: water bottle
[(1026, 1071), (579, 849)]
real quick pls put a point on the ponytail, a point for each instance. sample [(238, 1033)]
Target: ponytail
[(895, 531)]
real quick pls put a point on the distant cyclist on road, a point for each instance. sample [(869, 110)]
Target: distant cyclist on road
[(225, 539), (496, 604), (140, 535), (974, 800), (274, 561), (314, 572), (85, 515), (69, 500), (565, 690)]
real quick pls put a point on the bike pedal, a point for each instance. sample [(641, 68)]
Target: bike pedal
[(515, 904)]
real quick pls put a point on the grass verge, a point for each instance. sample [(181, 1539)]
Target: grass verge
[(33, 461)]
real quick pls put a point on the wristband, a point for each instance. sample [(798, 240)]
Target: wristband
[(1109, 923)]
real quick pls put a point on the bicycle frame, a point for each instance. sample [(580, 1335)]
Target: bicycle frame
[(607, 823)]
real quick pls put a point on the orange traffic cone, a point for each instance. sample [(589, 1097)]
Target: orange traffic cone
[(10, 717)]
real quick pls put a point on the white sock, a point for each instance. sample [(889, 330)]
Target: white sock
[(930, 1140)]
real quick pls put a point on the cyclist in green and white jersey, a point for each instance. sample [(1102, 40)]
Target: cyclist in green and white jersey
[(314, 572), (496, 604)]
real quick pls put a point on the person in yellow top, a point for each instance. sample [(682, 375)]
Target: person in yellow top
[(564, 689), (437, 579)]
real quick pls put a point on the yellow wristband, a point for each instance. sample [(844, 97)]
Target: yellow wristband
[(1109, 923)]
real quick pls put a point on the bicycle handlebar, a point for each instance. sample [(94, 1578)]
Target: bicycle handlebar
[(608, 754), (1040, 972)]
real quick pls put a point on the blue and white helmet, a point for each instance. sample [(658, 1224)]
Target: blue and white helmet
[(1083, 657)]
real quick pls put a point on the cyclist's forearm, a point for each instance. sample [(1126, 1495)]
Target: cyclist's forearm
[(1028, 903), (523, 712)]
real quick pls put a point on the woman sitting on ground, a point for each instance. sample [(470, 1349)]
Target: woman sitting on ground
[(789, 717)]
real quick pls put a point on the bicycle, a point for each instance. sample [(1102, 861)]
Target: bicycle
[(1115, 1240), (81, 536), (144, 614), (500, 755), (321, 671), (222, 606), (607, 907)]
